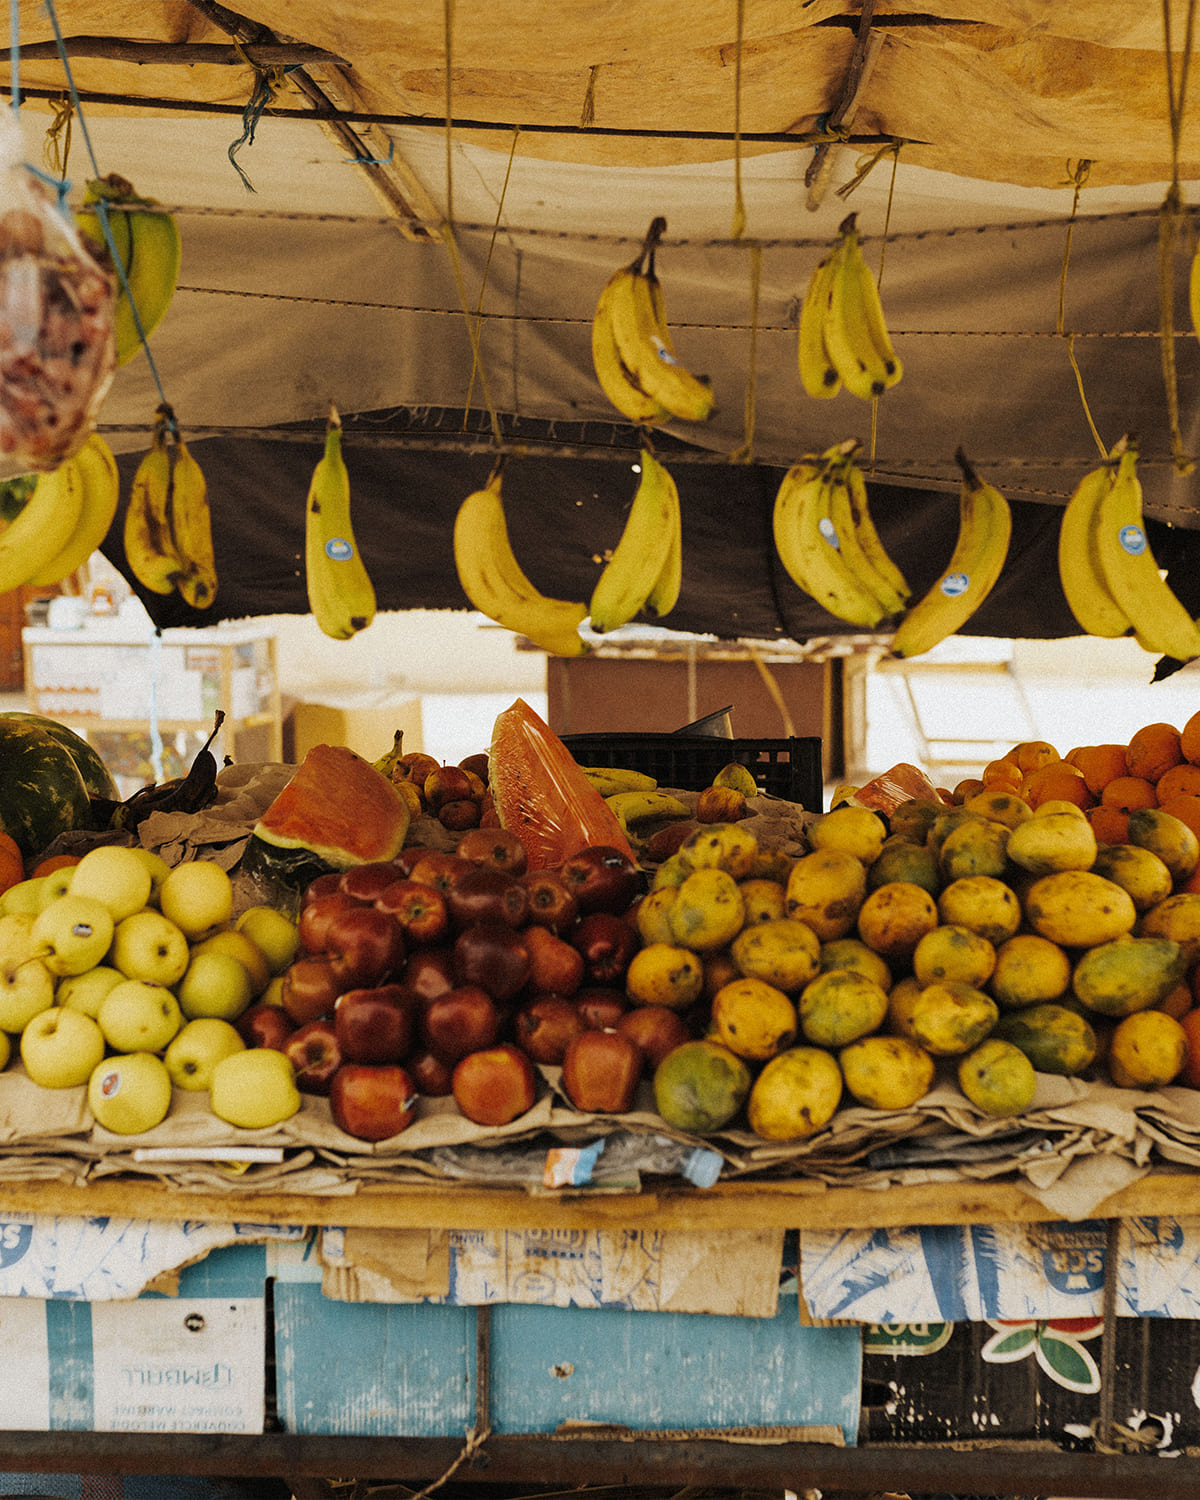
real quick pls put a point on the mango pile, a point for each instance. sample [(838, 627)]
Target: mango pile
[(983, 937)]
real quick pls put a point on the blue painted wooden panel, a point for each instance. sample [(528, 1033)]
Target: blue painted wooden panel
[(372, 1369), (651, 1370)]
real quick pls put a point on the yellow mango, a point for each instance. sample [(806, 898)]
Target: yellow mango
[(723, 846), (945, 824), (839, 1006), (1177, 918), (753, 1019), (1147, 1050), (825, 890), (902, 859), (856, 830), (895, 917), (1128, 974), (913, 819), (950, 1018), (902, 999), (795, 1095), (651, 917), (708, 910), (1139, 871), (1167, 836), (699, 1086), (979, 847), (1079, 909), (853, 953), (664, 974), (1058, 841), (1029, 970), (1055, 1038), (984, 903), (953, 952), (764, 900), (1000, 807), (997, 1078), (886, 1072), (783, 952)]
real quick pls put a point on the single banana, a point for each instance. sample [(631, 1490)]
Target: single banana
[(495, 583), (149, 550), (849, 332), (818, 375), (1083, 583), (843, 515), (191, 529), (664, 596), (147, 239), (611, 780), (617, 381), (868, 537), (641, 553), (984, 532), (641, 806), (43, 528), (388, 761), (869, 307), (340, 593), (643, 337), (1159, 619), (101, 494), (810, 548)]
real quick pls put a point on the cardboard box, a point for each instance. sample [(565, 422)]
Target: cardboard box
[(365, 722)]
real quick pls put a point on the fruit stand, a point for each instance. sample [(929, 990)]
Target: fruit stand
[(601, 1110)]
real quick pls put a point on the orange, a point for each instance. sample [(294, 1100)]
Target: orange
[(1032, 754), (1127, 793), (1180, 780), (1186, 808), (1056, 781), (1153, 749), (969, 786), (12, 867), (55, 862), (1190, 1075), (1100, 764), (1005, 771), (1189, 739), (1109, 824)]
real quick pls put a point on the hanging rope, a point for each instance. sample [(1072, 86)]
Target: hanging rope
[(1168, 223), (887, 220), (487, 266), (739, 203), (1078, 175)]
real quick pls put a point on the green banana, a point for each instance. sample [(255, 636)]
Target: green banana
[(340, 593), (641, 554)]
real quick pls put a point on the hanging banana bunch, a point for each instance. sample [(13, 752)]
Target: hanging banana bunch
[(58, 518), (168, 525), (633, 351), (645, 569), (844, 341)]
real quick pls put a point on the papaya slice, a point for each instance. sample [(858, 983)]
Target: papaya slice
[(542, 795), (340, 807)]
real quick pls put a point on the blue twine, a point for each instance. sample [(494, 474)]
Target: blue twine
[(264, 93), (373, 161)]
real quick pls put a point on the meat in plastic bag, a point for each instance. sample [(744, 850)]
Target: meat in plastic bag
[(57, 352), (901, 783)]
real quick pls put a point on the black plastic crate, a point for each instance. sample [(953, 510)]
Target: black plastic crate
[(788, 768)]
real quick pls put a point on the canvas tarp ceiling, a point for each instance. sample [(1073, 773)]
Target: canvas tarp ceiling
[(323, 284)]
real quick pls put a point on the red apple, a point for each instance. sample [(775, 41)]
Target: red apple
[(600, 1006), (607, 943), (478, 763), (494, 956), (265, 1025), (656, 1029), (664, 842), (498, 847), (543, 1027), (600, 1072), (439, 868), (430, 1074), (315, 1055), (317, 914), (460, 1021), (462, 813), (408, 857), (420, 910), (309, 989), (372, 1102), (555, 966), (494, 1086), (427, 972), (446, 784), (484, 894), (551, 904), (600, 878), (374, 1025), (364, 945), (365, 882), (321, 885)]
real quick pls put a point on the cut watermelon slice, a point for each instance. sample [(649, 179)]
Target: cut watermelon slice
[(339, 806), (541, 794)]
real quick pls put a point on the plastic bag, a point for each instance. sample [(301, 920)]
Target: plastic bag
[(57, 352), (899, 784)]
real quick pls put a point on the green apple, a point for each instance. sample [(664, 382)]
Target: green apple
[(115, 875), (158, 867), (215, 984), (244, 949), (61, 1047), (26, 989), (73, 933), (26, 895), (254, 1089), (273, 933), (130, 1094), (197, 896), (195, 1051), (84, 992), (137, 1016), (149, 946), (54, 885)]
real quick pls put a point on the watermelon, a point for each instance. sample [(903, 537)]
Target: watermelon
[(338, 807), (42, 791), (96, 776)]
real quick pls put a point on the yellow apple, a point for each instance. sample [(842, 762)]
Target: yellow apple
[(254, 1089), (149, 946), (5, 1050), (197, 896), (158, 867), (196, 1050), (273, 932), (84, 992), (113, 874), (73, 933), (215, 984), (61, 1047), (54, 885), (26, 895), (26, 989), (136, 1016), (130, 1094), (244, 949)]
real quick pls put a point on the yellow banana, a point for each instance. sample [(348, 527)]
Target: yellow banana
[(388, 760), (1160, 621), (495, 583), (641, 553), (1083, 583), (609, 781), (191, 529), (643, 337), (147, 240), (817, 372), (617, 381), (868, 538), (843, 515), (101, 493), (640, 806), (984, 532), (664, 596), (44, 526), (149, 550), (856, 340), (810, 548), (340, 593)]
